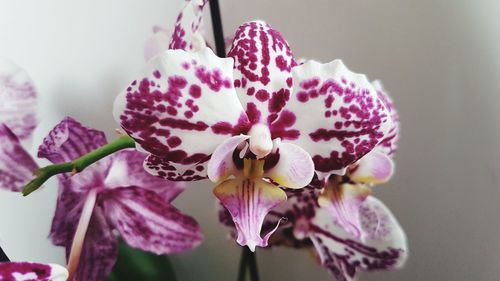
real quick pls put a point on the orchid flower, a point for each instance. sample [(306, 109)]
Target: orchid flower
[(30, 271), (17, 122), (349, 229), (115, 193), (255, 123)]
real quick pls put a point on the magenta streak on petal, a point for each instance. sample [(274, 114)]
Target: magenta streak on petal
[(249, 201), (16, 165), (13, 271), (147, 222), (18, 100), (69, 140), (384, 259)]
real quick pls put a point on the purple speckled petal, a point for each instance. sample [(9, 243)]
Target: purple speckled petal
[(187, 25), (16, 165), (69, 140), (348, 119), (389, 144), (382, 245), (147, 222), (221, 164), (18, 100), (127, 170), (162, 167), (373, 168), (30, 271), (249, 201), (294, 169), (99, 251), (263, 63), (182, 106)]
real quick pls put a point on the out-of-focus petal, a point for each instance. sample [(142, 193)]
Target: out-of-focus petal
[(263, 63), (147, 222), (68, 210), (182, 107), (127, 170), (249, 201), (99, 252), (373, 168), (343, 202), (382, 245), (294, 168), (16, 165), (30, 271), (187, 25), (18, 99), (69, 140), (348, 119), (390, 143), (157, 43), (221, 164)]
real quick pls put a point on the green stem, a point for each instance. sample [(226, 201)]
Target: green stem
[(79, 164)]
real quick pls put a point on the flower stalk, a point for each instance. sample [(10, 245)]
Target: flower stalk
[(3, 256), (248, 260), (77, 165)]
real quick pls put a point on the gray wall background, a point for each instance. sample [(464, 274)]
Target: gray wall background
[(439, 59)]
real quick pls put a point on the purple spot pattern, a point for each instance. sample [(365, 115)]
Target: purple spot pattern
[(10, 270), (14, 176), (18, 100), (174, 106), (389, 144), (145, 205), (342, 117), (187, 24), (263, 64)]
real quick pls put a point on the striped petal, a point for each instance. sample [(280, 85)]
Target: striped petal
[(187, 25), (348, 119), (249, 201), (381, 246), (263, 63), (16, 165), (100, 250), (389, 144), (374, 168), (127, 170), (18, 100), (30, 271), (69, 140), (147, 222), (294, 168), (178, 100)]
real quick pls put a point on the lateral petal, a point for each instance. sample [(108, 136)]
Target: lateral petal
[(348, 119)]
